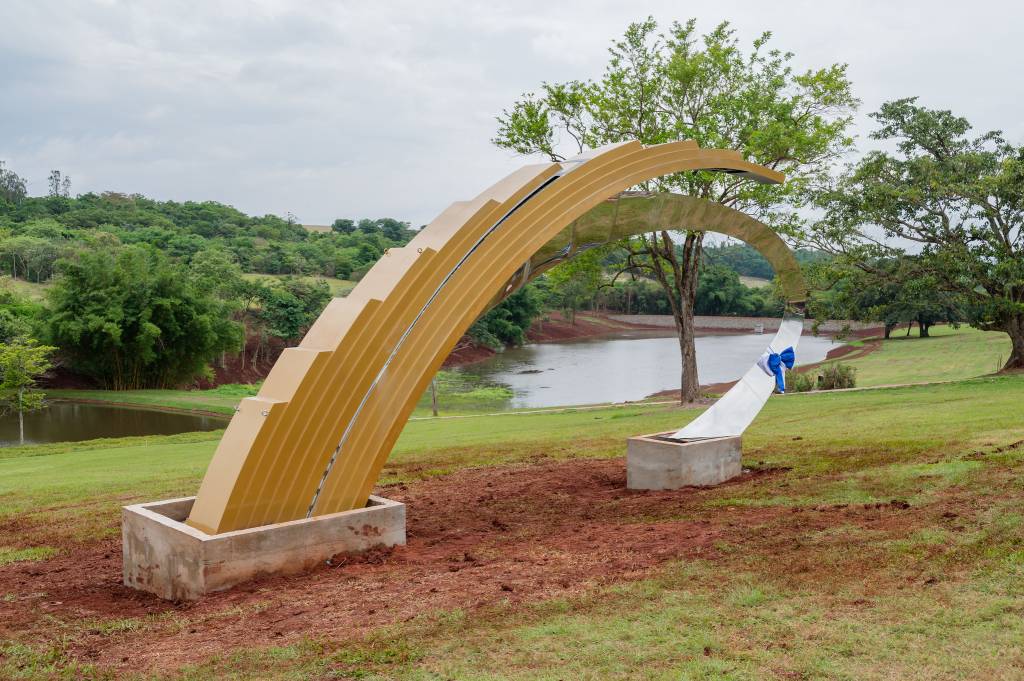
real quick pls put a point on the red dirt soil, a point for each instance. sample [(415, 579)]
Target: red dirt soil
[(517, 533)]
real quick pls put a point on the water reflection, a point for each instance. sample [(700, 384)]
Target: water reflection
[(627, 366), (71, 421)]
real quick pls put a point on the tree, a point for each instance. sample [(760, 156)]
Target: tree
[(960, 198), (892, 292), (659, 88), (12, 186), (343, 226), (392, 229), (59, 184), (741, 258), (131, 319), (289, 308), (22, 361), (214, 270), (508, 322), (721, 292), (575, 282), (17, 315)]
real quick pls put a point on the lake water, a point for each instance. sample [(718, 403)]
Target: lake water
[(627, 366), (72, 421)]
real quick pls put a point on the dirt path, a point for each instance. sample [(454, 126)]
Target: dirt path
[(479, 536)]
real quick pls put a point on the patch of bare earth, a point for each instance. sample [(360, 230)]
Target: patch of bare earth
[(479, 536)]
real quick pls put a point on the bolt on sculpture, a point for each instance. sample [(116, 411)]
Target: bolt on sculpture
[(290, 481)]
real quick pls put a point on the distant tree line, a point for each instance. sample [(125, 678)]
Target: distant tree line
[(746, 261), (149, 293), (35, 232)]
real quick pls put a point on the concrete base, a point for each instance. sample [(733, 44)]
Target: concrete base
[(653, 462), (166, 557)]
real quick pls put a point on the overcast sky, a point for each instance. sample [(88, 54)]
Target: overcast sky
[(371, 109)]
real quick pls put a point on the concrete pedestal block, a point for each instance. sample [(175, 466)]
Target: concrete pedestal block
[(655, 462), (175, 561)]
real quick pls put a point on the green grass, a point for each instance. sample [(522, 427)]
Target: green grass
[(855, 428), (11, 555), (937, 600), (220, 400), (26, 289), (948, 355), (932, 596)]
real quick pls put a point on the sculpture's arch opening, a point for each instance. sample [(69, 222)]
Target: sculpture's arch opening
[(313, 441)]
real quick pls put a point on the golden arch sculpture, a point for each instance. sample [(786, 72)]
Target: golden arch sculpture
[(315, 438)]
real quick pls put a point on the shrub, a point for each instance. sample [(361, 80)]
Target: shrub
[(801, 382), (836, 376), (831, 376)]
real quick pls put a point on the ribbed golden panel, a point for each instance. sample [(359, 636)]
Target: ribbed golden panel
[(328, 415)]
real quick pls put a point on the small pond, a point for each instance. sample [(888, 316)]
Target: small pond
[(73, 421)]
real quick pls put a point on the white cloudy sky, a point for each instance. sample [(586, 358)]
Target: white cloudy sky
[(330, 109)]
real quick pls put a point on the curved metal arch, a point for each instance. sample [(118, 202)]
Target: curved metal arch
[(632, 213), (318, 433)]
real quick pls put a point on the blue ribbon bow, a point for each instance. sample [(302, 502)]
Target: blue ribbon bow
[(775, 362)]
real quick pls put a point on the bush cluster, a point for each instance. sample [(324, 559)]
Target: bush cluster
[(831, 376)]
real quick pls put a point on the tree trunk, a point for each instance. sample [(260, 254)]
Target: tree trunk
[(21, 416), (689, 380), (922, 329), (910, 325), (888, 330), (1015, 330), (677, 274)]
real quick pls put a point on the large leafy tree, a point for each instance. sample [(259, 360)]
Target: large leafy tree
[(959, 197), (132, 319), (660, 87)]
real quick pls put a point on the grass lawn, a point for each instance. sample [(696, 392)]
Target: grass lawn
[(948, 355), (220, 400), (821, 584)]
